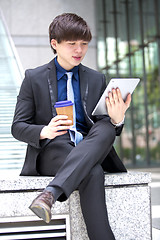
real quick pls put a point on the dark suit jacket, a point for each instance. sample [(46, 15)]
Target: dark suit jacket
[(34, 110)]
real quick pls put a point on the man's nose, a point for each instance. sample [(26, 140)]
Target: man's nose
[(78, 48)]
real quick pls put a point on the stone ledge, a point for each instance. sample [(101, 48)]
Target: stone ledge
[(127, 200), (129, 178), (35, 183)]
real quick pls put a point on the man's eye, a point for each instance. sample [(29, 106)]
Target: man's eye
[(72, 43)]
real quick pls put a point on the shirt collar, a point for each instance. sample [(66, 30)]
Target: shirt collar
[(61, 71)]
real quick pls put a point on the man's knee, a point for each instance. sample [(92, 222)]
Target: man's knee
[(104, 129)]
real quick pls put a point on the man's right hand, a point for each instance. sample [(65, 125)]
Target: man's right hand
[(57, 126)]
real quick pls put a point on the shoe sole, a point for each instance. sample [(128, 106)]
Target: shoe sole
[(41, 213)]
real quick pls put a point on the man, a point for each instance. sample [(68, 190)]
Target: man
[(51, 150)]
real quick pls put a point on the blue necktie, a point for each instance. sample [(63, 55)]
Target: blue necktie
[(75, 136)]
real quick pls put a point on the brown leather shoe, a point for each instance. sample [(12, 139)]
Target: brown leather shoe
[(42, 204)]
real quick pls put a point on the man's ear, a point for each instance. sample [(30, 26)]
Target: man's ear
[(54, 43)]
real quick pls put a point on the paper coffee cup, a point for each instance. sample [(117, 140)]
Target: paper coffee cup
[(65, 108)]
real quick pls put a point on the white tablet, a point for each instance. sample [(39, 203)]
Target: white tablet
[(126, 86)]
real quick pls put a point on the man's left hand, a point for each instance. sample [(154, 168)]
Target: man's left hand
[(116, 106)]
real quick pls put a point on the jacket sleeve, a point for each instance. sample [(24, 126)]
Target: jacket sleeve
[(23, 127)]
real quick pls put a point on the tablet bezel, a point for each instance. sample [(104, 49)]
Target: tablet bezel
[(126, 86)]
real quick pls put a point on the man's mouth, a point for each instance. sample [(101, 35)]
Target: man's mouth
[(77, 58)]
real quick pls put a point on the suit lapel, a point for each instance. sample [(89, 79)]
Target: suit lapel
[(84, 88), (52, 82), (83, 85)]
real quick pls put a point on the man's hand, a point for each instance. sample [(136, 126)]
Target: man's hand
[(116, 106), (57, 126)]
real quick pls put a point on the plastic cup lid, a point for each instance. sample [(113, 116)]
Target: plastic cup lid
[(63, 104)]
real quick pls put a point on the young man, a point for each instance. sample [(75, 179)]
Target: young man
[(51, 150)]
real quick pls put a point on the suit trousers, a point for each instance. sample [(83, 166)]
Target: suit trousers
[(80, 168)]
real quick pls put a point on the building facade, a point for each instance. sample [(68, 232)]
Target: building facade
[(128, 40)]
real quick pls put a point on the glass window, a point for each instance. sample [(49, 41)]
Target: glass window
[(129, 46)]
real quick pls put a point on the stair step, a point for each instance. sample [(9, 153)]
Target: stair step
[(15, 156), (12, 151)]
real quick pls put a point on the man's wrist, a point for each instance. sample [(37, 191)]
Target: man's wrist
[(118, 124), (43, 133)]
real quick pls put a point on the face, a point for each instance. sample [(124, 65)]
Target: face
[(70, 53)]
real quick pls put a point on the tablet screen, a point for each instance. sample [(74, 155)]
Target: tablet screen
[(126, 86)]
